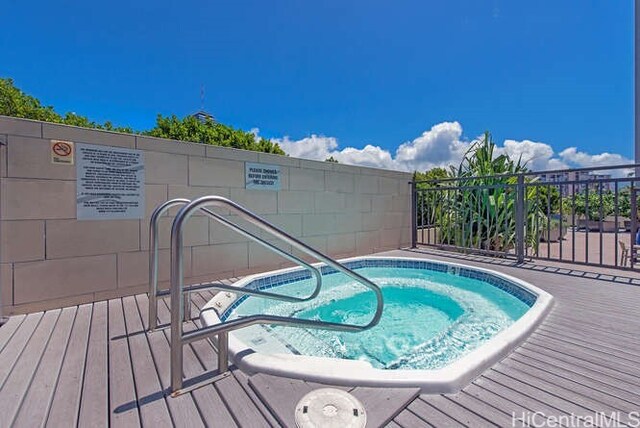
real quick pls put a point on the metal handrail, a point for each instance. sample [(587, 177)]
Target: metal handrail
[(179, 338), (153, 265)]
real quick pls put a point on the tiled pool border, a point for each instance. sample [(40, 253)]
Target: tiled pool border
[(277, 280)]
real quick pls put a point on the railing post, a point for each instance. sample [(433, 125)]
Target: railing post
[(414, 213), (634, 222), (520, 225), (153, 272), (186, 312), (223, 352), (177, 304), (3, 319)]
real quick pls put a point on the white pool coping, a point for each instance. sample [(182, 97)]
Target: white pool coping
[(345, 372)]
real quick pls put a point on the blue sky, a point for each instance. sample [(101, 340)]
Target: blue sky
[(338, 74)]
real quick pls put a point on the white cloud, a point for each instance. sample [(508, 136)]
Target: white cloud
[(442, 145), (537, 156), (315, 147), (439, 146), (585, 160), (372, 156)]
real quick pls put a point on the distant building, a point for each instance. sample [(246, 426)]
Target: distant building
[(577, 181), (203, 116)]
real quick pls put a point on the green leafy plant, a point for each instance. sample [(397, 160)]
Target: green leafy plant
[(480, 212)]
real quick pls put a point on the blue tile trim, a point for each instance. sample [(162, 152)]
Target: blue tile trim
[(266, 283)]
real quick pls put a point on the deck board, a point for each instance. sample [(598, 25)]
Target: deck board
[(183, 409), (244, 410), (610, 342), (17, 383), (576, 384), (456, 411), (16, 345), (94, 407), (503, 392), (577, 360), (434, 416), (569, 396), (243, 380), (537, 391), (151, 397), (481, 408), (206, 399), (37, 400), (408, 419), (504, 405), (584, 376), (281, 394), (382, 405), (66, 398), (619, 353), (210, 363), (604, 360), (95, 365), (123, 398), (9, 328)]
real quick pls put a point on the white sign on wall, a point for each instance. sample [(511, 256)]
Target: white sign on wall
[(259, 176), (110, 183)]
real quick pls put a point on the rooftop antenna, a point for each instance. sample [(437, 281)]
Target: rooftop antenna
[(202, 97), (202, 115)]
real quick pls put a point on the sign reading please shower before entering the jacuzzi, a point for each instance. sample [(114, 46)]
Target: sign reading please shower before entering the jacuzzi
[(259, 176), (110, 183)]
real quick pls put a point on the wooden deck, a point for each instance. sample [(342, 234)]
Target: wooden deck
[(94, 365)]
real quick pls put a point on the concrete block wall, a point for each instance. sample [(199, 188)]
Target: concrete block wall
[(49, 259)]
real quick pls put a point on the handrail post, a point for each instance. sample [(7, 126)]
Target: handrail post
[(153, 272), (520, 224), (414, 213), (223, 352), (186, 313), (177, 307), (153, 257)]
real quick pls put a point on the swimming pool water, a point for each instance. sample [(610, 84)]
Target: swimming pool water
[(430, 318)]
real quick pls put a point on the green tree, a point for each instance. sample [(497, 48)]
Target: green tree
[(596, 208), (15, 103), (210, 132), (432, 174)]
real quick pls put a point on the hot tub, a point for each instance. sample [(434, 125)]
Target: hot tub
[(442, 325)]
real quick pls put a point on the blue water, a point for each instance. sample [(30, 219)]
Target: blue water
[(430, 318)]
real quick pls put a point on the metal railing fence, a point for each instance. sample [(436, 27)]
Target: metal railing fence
[(573, 215)]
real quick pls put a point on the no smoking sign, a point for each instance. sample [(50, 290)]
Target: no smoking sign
[(62, 152)]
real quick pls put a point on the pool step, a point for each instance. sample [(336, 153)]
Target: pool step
[(280, 395)]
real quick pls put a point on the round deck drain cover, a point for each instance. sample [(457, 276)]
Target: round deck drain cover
[(330, 408)]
